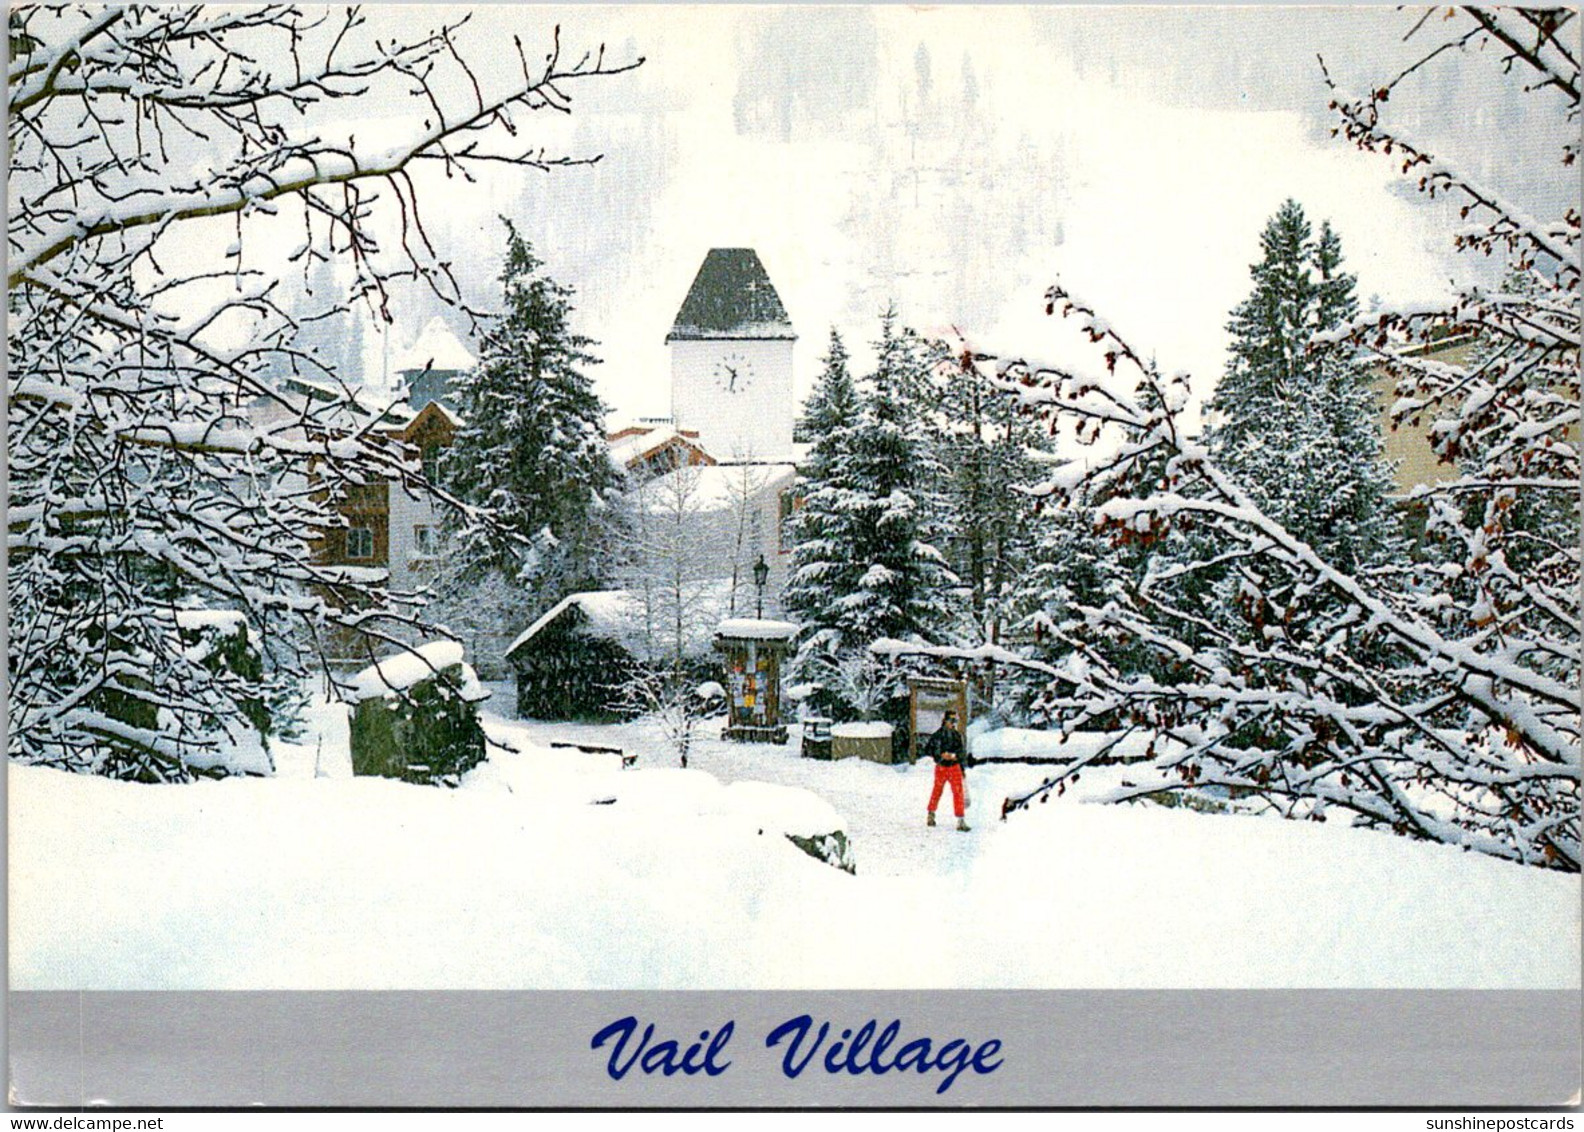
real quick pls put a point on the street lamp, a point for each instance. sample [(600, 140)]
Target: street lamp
[(761, 574)]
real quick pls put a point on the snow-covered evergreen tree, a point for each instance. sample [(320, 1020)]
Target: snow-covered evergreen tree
[(1298, 426), (823, 570), (870, 568), (906, 591), (531, 455), (531, 450), (1071, 565), (986, 444), (1083, 562)]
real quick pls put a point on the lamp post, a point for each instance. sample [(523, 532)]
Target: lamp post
[(761, 574)]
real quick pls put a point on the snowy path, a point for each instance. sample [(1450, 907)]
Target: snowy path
[(884, 805)]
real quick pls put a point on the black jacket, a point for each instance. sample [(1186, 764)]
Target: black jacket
[(946, 747)]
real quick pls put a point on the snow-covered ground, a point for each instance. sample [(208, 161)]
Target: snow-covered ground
[(555, 868)]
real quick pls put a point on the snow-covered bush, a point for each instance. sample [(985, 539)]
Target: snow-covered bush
[(1384, 701), (173, 171)]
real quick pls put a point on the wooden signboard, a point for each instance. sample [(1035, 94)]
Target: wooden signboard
[(929, 700)]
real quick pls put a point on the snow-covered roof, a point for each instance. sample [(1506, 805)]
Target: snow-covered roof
[(731, 297), (431, 408), (631, 444), (862, 730), (715, 487), (618, 615), (447, 412), (607, 611), (761, 629), (436, 348), (404, 670)]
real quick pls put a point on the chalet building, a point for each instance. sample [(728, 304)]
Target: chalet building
[(653, 449), (414, 519), (389, 527)]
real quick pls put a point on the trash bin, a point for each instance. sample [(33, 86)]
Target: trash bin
[(816, 737)]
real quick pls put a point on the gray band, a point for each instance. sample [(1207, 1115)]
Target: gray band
[(1283, 1048)]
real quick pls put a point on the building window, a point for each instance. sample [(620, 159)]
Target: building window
[(431, 463), (424, 541), (360, 542), (365, 494)]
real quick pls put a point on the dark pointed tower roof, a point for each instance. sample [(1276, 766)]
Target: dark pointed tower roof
[(731, 297)]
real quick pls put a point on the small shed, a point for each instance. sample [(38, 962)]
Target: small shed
[(751, 650), (415, 716), (929, 699), (571, 662)]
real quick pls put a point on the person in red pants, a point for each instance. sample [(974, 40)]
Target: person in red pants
[(946, 748)]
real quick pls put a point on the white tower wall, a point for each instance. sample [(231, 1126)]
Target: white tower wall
[(737, 393)]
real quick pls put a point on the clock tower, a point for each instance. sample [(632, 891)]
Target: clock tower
[(731, 360)]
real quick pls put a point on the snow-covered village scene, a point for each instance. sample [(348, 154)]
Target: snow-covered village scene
[(758, 497)]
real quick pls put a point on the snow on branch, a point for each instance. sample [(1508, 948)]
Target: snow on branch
[(1505, 226), (171, 170), (1434, 695)]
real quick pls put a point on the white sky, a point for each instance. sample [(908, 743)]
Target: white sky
[(1134, 154)]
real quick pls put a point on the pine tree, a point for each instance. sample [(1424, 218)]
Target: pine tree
[(823, 570), (1298, 427), (873, 570), (531, 452), (1070, 565)]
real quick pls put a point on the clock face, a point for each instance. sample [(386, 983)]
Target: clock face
[(733, 373)]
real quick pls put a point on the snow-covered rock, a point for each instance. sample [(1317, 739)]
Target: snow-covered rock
[(401, 672)]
